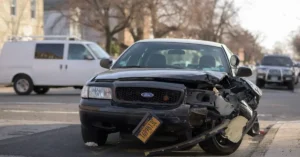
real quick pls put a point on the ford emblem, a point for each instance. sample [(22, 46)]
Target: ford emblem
[(147, 95)]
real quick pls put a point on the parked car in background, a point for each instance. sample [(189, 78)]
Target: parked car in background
[(277, 69), (40, 65), (297, 71)]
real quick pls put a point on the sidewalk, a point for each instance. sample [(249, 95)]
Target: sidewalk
[(282, 140)]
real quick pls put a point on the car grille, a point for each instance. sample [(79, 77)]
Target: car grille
[(274, 72), (150, 95)]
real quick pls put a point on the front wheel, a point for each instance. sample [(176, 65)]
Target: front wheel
[(291, 85), (23, 85), (297, 80), (260, 83), (218, 145), (93, 135)]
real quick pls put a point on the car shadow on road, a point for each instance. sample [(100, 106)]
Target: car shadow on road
[(67, 141), (45, 95)]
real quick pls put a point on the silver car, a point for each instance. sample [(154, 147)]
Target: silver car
[(277, 69)]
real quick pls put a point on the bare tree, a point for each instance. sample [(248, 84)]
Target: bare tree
[(296, 42), (108, 16), (249, 42), (279, 48), (165, 16), (13, 22), (211, 19)]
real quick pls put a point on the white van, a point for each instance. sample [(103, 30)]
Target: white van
[(39, 65)]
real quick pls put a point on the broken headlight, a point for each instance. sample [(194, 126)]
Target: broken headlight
[(96, 92)]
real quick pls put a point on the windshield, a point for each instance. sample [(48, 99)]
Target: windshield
[(277, 61), (98, 51), (174, 55)]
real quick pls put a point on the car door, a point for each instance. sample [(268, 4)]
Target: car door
[(47, 67), (80, 64)]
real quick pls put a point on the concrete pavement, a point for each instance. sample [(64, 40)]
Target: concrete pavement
[(283, 140)]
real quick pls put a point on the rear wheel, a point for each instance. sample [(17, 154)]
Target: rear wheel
[(23, 85), (260, 83), (40, 90), (218, 145), (93, 135)]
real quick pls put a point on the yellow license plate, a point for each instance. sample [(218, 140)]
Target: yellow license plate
[(147, 127)]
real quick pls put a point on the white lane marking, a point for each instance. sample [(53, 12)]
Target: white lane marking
[(11, 156), (30, 111), (33, 103), (264, 115), (18, 128)]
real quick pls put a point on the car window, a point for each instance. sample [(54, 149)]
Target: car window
[(98, 51), (49, 51), (174, 55), (276, 61), (78, 52)]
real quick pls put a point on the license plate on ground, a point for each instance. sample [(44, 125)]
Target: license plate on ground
[(147, 127), (274, 78)]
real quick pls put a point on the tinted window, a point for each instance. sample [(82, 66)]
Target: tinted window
[(277, 61), (77, 52), (49, 51), (174, 55)]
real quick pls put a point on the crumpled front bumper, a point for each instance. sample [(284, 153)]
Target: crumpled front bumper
[(94, 111)]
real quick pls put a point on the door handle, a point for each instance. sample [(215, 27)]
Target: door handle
[(61, 66), (66, 66)]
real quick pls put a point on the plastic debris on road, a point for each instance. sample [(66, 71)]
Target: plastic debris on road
[(91, 144)]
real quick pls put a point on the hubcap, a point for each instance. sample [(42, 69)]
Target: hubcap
[(22, 85)]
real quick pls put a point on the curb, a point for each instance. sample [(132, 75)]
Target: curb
[(263, 146)]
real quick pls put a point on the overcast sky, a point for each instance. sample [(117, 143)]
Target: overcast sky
[(275, 19)]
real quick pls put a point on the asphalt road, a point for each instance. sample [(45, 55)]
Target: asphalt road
[(48, 125)]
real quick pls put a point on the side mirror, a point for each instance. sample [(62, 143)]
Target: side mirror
[(244, 72), (106, 63), (234, 60), (88, 57)]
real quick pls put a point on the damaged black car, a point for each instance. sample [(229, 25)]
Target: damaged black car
[(190, 90)]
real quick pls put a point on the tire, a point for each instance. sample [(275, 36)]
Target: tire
[(214, 147), (40, 90), (93, 135), (255, 130), (183, 138), (297, 80), (260, 83), (291, 85), (23, 85)]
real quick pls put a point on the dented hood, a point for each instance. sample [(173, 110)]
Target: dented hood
[(170, 74)]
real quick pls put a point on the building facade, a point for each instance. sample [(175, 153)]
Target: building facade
[(56, 23), (21, 18)]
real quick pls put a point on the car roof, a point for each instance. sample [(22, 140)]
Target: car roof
[(277, 55), (53, 41), (191, 41)]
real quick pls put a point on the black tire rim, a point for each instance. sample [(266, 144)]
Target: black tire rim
[(223, 142)]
